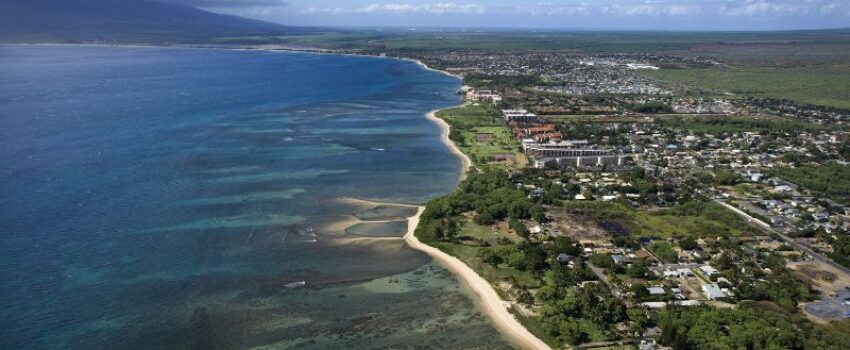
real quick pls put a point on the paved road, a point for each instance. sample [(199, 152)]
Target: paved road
[(815, 255)]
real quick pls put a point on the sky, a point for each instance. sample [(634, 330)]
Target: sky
[(546, 14)]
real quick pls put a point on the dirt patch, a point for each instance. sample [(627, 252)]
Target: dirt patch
[(574, 226), (826, 278)]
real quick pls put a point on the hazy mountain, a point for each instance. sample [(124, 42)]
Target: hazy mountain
[(119, 20)]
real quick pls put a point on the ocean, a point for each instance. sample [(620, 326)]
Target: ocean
[(164, 198)]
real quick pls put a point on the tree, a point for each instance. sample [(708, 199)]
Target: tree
[(524, 297), (562, 276), (638, 173), (571, 332), (638, 318), (637, 269), (726, 178), (519, 228), (565, 245), (490, 257), (689, 243), (639, 291), (602, 260)]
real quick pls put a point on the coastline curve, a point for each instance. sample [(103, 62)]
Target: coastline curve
[(490, 302)]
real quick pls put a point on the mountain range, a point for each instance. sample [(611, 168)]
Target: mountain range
[(145, 21)]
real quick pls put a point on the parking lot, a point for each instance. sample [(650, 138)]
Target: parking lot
[(830, 308)]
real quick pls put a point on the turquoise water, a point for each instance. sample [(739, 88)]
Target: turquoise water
[(175, 199)]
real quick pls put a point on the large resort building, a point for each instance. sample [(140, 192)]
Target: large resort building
[(571, 154), (545, 145)]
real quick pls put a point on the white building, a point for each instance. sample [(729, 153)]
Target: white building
[(713, 291)]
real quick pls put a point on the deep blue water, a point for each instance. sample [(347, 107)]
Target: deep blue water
[(157, 198)]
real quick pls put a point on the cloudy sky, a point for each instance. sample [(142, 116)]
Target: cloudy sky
[(563, 14)]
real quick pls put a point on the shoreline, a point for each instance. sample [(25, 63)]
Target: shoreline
[(445, 130), (489, 301)]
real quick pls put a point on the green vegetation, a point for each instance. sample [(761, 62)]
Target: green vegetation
[(664, 251), (651, 107), (479, 131), (698, 219), (830, 180), (803, 45), (743, 328), (734, 124), (820, 85), (777, 284), (501, 81), (469, 224), (489, 194), (840, 242), (579, 315), (841, 246)]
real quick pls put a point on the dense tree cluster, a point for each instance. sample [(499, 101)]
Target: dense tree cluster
[(744, 328), (729, 125), (489, 194), (651, 107), (764, 277), (831, 180), (564, 307), (841, 248), (501, 81)]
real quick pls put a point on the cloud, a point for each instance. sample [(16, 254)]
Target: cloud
[(436, 8), (312, 10), (653, 9), (753, 8), (552, 9), (230, 3)]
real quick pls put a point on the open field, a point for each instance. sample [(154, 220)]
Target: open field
[(699, 123), (471, 252), (712, 43), (825, 85), (478, 120), (730, 124), (694, 219)]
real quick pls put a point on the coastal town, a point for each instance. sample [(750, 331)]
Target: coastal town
[(618, 205), (425, 174)]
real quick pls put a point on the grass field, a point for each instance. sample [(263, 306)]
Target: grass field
[(699, 123), (469, 254), (729, 124), (471, 120), (588, 41), (692, 219), (826, 85)]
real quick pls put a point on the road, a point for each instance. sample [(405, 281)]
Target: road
[(600, 273), (791, 241)]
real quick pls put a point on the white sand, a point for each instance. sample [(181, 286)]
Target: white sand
[(445, 129), (489, 301), (493, 306)]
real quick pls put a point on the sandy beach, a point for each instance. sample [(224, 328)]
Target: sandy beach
[(489, 301), (492, 305), (445, 129)]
